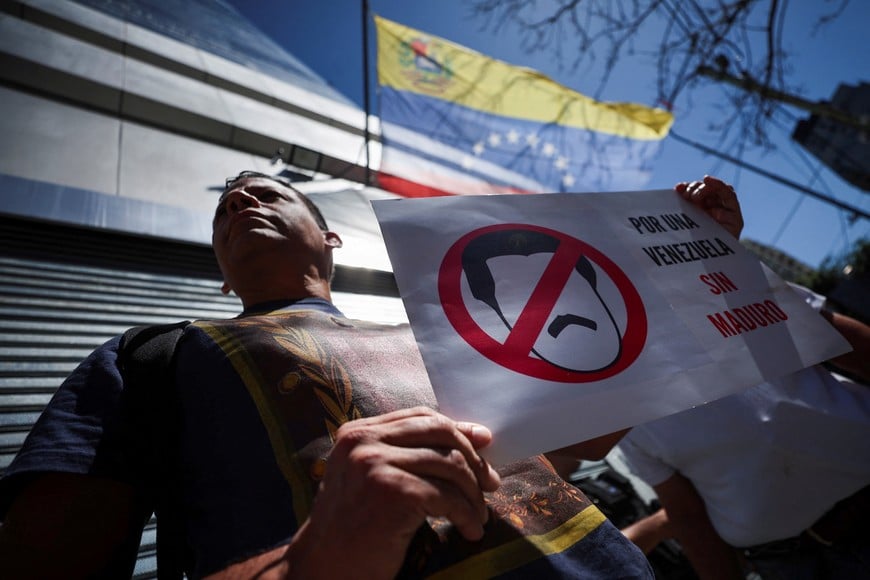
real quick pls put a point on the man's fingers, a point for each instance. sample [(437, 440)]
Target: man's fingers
[(414, 482), (434, 497), (422, 427), (398, 415), (717, 198), (469, 519), (446, 468), (480, 437), (427, 428)]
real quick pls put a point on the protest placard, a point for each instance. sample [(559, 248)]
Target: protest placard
[(552, 319)]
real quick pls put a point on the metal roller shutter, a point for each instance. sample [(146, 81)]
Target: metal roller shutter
[(64, 291)]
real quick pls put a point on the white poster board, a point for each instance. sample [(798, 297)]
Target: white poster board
[(552, 319)]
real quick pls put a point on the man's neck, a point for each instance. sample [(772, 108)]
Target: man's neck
[(308, 287), (291, 304)]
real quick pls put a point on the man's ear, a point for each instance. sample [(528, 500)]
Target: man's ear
[(225, 289), (332, 239)]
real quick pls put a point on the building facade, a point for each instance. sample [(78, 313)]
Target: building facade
[(120, 121), (784, 265), (843, 148)]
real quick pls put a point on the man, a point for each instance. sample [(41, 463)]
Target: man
[(308, 445)]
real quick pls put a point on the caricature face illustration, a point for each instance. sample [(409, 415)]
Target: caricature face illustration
[(575, 324)]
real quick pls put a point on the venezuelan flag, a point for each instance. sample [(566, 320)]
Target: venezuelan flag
[(454, 121)]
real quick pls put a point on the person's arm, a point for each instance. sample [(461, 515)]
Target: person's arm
[(64, 525), (718, 199), (646, 533), (710, 556), (384, 477), (856, 362)]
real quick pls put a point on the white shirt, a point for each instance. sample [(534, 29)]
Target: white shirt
[(768, 461)]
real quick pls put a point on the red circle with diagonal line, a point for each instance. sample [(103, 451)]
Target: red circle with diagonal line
[(514, 352)]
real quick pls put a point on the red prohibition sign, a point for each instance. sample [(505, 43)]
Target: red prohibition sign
[(516, 351)]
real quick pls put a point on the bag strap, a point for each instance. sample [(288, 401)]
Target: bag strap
[(146, 357)]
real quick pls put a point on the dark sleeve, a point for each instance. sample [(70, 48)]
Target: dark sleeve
[(79, 430)]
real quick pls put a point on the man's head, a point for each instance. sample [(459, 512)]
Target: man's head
[(503, 267), (271, 241)]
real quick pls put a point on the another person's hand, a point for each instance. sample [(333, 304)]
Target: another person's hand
[(717, 198), (384, 477), (648, 532)]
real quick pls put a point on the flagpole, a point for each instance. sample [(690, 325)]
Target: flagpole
[(365, 68)]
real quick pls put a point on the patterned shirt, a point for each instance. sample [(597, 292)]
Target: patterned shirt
[(262, 396)]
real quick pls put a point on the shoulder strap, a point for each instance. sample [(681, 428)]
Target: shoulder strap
[(150, 345), (146, 356)]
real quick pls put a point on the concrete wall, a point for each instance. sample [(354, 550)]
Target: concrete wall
[(108, 124)]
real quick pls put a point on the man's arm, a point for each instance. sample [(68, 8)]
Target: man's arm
[(857, 362), (384, 477), (708, 553), (64, 525)]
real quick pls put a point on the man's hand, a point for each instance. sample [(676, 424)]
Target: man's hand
[(857, 361), (648, 532), (718, 199), (384, 476)]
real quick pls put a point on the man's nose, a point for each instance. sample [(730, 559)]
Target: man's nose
[(239, 199)]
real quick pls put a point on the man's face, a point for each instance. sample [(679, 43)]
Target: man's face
[(259, 220)]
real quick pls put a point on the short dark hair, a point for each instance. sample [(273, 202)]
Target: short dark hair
[(247, 174)]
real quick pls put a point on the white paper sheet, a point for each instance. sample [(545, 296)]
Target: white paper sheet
[(552, 319)]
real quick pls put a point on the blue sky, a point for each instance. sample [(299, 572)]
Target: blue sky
[(327, 36)]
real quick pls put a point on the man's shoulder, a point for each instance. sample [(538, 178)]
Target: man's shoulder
[(303, 318)]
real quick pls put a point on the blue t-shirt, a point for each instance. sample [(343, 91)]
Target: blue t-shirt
[(261, 397)]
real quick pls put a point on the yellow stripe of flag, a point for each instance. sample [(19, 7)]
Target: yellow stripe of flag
[(523, 550), (410, 60)]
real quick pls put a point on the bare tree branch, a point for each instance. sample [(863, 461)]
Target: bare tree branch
[(703, 44)]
